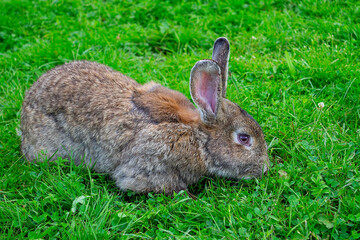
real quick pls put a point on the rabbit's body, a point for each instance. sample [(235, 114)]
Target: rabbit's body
[(147, 137), (111, 123)]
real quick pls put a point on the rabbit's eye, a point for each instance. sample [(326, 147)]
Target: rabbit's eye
[(244, 139), (240, 137)]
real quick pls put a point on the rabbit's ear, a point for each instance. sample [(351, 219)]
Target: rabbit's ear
[(205, 88), (220, 55)]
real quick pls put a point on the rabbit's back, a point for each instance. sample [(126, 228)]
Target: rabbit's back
[(78, 85)]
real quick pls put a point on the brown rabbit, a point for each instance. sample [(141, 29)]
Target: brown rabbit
[(147, 137)]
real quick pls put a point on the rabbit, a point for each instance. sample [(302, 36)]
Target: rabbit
[(148, 138)]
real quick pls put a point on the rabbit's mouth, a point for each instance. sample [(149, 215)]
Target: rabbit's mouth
[(256, 174), (251, 176), (247, 177)]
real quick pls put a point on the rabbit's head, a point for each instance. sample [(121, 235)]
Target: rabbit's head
[(235, 143)]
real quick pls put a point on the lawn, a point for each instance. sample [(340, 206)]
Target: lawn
[(294, 66)]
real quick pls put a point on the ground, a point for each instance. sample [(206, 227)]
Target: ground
[(294, 66)]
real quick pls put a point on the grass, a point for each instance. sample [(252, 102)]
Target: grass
[(286, 58)]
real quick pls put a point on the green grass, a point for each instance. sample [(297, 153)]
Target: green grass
[(286, 58)]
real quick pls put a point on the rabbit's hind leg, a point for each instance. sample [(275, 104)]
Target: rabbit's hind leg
[(42, 137)]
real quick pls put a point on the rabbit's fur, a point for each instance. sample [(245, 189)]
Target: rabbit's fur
[(147, 137)]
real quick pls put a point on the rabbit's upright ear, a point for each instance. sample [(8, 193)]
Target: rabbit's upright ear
[(220, 55), (205, 88)]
